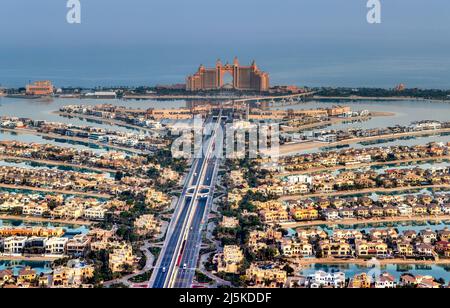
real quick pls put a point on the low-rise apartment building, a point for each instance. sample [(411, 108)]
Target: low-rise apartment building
[(268, 276), (121, 258), (230, 259), (147, 224)]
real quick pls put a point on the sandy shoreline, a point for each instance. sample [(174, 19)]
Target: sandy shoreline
[(363, 191), (56, 163), (102, 120), (30, 259), (289, 149), (76, 139), (374, 164), (336, 121), (370, 263), (351, 222), (41, 219), (59, 191), (381, 99)]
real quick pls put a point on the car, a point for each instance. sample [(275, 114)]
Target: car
[(184, 266), (164, 269)]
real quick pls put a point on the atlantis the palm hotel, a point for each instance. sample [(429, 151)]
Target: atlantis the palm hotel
[(246, 78)]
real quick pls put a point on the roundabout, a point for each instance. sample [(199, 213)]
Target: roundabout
[(203, 192)]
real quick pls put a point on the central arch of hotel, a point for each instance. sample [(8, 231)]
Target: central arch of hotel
[(243, 77)]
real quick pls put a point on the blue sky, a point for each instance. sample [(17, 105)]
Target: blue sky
[(309, 42)]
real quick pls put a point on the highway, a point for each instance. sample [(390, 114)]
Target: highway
[(178, 260), (192, 250)]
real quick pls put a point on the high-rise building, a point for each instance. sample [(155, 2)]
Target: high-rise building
[(40, 88), (229, 76), (400, 88)]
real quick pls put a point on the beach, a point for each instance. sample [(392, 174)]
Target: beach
[(364, 165), (370, 262), (363, 192), (51, 220), (76, 139), (354, 221), (59, 191), (333, 121), (293, 148), (56, 163)]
